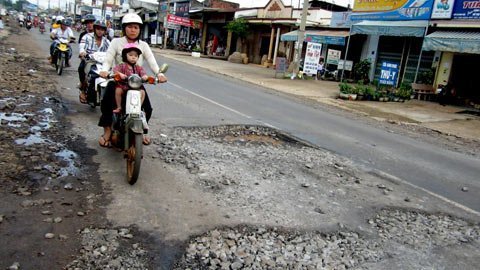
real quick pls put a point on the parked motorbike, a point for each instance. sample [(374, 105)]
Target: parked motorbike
[(330, 75), (95, 84), (61, 53), (128, 125)]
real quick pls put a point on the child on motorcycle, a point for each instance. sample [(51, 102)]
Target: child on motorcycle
[(130, 54)]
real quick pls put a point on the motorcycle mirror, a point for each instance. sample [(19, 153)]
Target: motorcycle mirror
[(163, 68)]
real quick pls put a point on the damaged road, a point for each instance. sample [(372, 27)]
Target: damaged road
[(214, 197)]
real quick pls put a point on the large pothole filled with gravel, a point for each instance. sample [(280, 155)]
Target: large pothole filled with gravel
[(302, 207), (248, 247)]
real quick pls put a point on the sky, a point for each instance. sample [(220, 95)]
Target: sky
[(243, 3)]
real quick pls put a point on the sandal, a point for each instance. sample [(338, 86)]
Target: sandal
[(146, 140), (103, 142), (83, 98)]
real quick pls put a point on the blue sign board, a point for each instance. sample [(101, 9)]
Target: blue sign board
[(464, 9), (411, 10), (333, 40), (389, 73)]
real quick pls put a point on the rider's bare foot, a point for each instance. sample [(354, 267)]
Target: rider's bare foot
[(117, 110)]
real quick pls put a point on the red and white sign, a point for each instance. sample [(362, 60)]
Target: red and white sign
[(178, 20), (172, 19)]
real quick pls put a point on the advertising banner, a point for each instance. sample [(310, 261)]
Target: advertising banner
[(333, 56), (312, 57), (466, 9), (442, 9), (387, 10), (181, 9), (340, 19), (178, 20), (389, 73)]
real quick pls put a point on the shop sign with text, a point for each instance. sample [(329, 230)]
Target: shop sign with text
[(387, 10), (389, 73), (466, 9), (442, 9)]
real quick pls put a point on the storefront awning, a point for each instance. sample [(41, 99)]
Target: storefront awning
[(391, 28), (318, 36), (453, 41)]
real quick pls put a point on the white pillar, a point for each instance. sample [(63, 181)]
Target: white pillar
[(276, 45)]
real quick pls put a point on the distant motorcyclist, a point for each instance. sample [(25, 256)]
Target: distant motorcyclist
[(90, 43), (64, 32)]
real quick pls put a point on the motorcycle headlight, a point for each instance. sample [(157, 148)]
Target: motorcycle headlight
[(135, 82)]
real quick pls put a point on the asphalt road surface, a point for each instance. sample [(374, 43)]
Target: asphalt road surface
[(193, 97)]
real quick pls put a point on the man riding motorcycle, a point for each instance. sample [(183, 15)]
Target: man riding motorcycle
[(90, 43), (63, 32)]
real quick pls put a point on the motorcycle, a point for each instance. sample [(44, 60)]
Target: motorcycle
[(95, 84), (128, 125), (41, 27), (61, 53), (330, 75), (28, 25)]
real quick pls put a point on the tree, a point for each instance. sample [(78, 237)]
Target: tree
[(239, 27)]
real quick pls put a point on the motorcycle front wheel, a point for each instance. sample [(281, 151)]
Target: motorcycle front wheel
[(60, 63), (134, 157)]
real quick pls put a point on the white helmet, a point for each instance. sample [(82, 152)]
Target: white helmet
[(131, 18)]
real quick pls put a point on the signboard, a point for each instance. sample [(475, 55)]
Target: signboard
[(442, 9), (181, 9), (97, 13), (340, 19), (280, 65), (347, 65), (333, 56), (387, 10), (389, 73), (334, 40), (155, 41), (312, 57), (464, 9), (180, 21)]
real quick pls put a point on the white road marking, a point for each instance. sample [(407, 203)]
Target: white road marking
[(438, 196), (220, 105)]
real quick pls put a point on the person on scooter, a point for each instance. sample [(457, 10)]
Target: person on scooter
[(90, 43), (63, 32), (88, 21), (131, 29)]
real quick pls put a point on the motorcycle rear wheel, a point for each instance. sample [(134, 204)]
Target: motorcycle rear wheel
[(60, 63), (134, 158)]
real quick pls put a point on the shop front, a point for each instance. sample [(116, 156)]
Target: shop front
[(393, 33), (459, 52)]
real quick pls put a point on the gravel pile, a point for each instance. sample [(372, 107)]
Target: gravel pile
[(107, 249), (421, 230), (248, 248)]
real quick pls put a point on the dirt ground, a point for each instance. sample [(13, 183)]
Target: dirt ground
[(49, 190)]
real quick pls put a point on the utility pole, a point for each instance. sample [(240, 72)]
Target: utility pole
[(301, 37), (157, 33), (165, 25)]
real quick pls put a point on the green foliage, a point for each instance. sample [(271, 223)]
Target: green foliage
[(426, 77), (361, 71), (238, 27), (346, 88), (404, 92)]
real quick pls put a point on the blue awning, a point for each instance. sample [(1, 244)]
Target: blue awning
[(318, 36), (453, 41), (391, 28)]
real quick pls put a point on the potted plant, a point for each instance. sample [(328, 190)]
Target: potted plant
[(361, 71), (347, 91)]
